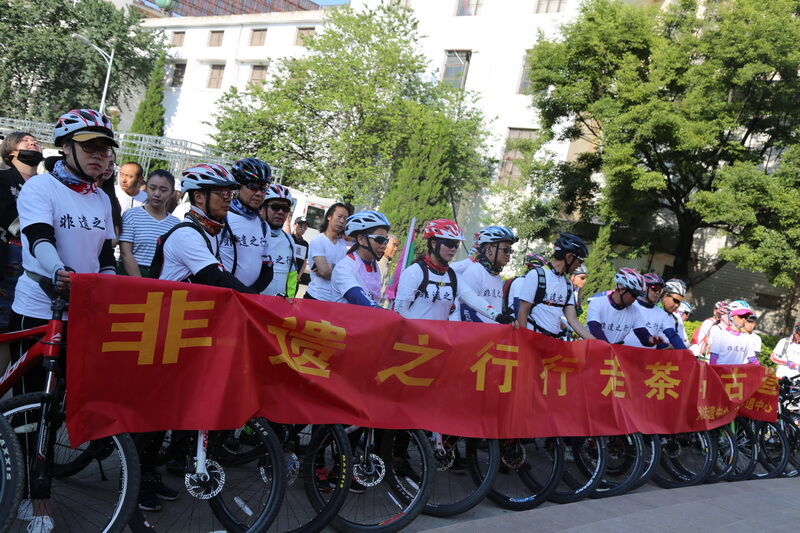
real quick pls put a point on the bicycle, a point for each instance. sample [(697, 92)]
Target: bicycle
[(584, 468), (98, 497), (11, 483), (686, 459), (626, 461), (789, 418)]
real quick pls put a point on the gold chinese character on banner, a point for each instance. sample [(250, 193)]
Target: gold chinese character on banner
[(309, 350), (734, 385), (554, 364), (616, 380), (401, 371), (177, 324), (479, 368), (661, 383), (770, 384)]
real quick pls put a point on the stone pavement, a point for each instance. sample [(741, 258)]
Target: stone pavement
[(759, 505)]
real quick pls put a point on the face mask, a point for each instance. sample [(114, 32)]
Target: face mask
[(30, 157)]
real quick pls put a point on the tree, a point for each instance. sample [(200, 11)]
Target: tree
[(149, 118), (599, 264), (337, 119), (44, 71), (668, 98)]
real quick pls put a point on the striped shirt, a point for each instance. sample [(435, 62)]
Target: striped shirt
[(140, 228)]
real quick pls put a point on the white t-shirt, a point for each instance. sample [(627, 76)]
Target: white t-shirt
[(127, 202), (654, 319), (345, 277), (459, 267), (681, 328), (755, 342), (616, 323), (281, 248), (435, 305), (183, 207), (251, 247), (486, 285), (547, 315), (186, 253), (792, 354), (322, 246), (81, 223), (731, 347)]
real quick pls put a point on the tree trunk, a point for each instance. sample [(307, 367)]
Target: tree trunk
[(792, 311)]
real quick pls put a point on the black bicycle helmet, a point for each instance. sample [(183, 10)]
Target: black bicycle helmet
[(570, 243), (251, 170)]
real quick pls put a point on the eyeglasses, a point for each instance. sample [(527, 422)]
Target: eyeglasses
[(507, 250), (256, 187), (450, 243), (96, 149), (280, 208), (380, 239), (224, 193)]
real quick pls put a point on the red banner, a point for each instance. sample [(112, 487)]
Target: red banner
[(149, 355)]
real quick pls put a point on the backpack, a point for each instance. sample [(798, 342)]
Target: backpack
[(157, 265), (423, 286)]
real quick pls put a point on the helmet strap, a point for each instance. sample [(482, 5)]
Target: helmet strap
[(435, 252), (76, 168)]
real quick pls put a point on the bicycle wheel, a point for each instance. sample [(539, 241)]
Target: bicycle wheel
[(651, 456), (790, 425), (244, 487), (99, 497), (686, 459), (747, 450), (529, 472), (584, 466), (453, 492), (12, 482), (773, 451), (317, 474), (626, 458), (392, 479), (726, 454)]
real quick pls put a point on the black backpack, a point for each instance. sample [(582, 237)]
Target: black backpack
[(423, 286), (158, 259)]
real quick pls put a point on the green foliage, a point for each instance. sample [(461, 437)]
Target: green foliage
[(340, 119), (44, 71), (669, 100), (599, 264), (149, 118), (690, 326), (768, 343)]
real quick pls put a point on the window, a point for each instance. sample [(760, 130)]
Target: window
[(508, 168), (215, 38), (178, 72), (177, 38), (215, 76), (525, 82), (303, 34), (550, 6), (455, 68), (258, 74), (467, 8), (257, 37), (315, 216), (768, 301)]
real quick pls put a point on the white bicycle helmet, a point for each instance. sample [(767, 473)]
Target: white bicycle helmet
[(630, 279), (581, 270), (207, 176), (83, 125), (443, 228), (365, 220), (739, 308), (685, 307), (276, 191), (675, 286), (495, 234)]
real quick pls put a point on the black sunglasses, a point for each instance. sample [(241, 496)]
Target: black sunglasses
[(280, 207), (450, 243), (254, 186), (380, 239)]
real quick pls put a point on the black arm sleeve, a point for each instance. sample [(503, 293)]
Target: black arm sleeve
[(106, 256), (264, 278), (212, 275), (39, 232)]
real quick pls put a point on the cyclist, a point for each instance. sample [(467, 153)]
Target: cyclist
[(729, 344), (325, 250), (611, 317), (357, 278), (683, 313), (787, 354), (243, 247), (512, 287), (278, 203), (429, 287), (700, 337), (190, 250), (755, 338), (547, 294), (655, 324), (483, 276), (578, 279)]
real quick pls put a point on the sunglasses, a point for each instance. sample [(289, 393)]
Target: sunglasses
[(96, 149), (507, 250), (656, 288), (380, 239), (752, 318), (450, 243), (676, 300), (256, 187), (280, 208), (581, 276)]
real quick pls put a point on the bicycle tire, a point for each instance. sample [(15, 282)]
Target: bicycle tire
[(454, 493), (727, 453), (318, 457), (624, 467), (529, 471), (746, 448), (581, 476), (12, 482), (793, 436), (652, 456), (79, 502), (686, 459), (406, 459), (773, 451)]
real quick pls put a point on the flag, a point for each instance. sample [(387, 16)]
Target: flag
[(406, 257)]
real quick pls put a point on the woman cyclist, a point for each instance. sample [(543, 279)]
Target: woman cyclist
[(483, 275), (730, 344), (357, 278)]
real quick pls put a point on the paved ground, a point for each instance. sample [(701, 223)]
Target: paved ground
[(762, 506)]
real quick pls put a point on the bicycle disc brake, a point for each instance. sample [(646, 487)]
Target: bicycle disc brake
[(369, 472), (513, 454), (204, 489)]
